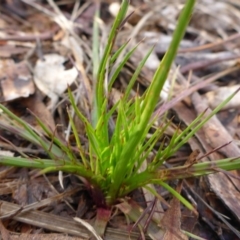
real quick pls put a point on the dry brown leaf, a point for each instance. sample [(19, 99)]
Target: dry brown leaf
[(15, 79), (52, 78), (9, 50), (221, 93), (38, 108), (4, 233), (172, 222)]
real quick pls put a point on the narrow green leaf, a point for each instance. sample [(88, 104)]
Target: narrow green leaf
[(99, 89), (118, 52), (176, 194), (161, 73), (136, 74), (79, 146)]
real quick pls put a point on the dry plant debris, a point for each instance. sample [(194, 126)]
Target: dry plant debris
[(51, 47), (51, 78)]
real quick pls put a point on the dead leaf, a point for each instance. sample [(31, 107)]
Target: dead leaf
[(52, 78), (38, 108), (171, 221), (4, 233), (222, 93), (15, 80), (9, 50)]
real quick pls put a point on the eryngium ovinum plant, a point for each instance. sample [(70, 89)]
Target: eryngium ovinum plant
[(111, 165)]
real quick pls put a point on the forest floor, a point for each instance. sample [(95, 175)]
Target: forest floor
[(37, 207)]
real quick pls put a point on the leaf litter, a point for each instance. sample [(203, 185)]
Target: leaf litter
[(209, 54)]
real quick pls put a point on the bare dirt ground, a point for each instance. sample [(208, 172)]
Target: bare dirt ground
[(206, 70)]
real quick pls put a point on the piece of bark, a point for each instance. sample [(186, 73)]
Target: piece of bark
[(218, 182)]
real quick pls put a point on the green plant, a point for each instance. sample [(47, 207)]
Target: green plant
[(111, 165)]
